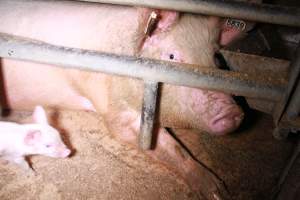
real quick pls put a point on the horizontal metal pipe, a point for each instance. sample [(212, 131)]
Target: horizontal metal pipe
[(242, 10), (244, 84), (148, 114)]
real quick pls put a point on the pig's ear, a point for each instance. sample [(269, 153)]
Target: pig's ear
[(233, 29), (32, 136), (154, 21), (39, 115), (167, 19)]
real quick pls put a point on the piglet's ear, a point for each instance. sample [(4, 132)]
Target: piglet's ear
[(32, 136), (39, 115)]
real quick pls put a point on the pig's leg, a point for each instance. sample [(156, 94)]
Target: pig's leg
[(199, 178), (20, 161), (125, 126)]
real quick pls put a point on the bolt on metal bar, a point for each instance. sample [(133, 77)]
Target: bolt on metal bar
[(262, 86), (242, 10), (148, 114), (294, 76)]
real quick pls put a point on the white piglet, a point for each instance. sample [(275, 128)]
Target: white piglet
[(20, 140)]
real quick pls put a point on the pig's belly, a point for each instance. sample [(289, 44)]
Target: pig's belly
[(26, 85), (63, 23), (29, 84)]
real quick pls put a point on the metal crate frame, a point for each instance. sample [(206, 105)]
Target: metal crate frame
[(286, 97)]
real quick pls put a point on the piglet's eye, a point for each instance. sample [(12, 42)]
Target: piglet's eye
[(48, 145), (171, 56)]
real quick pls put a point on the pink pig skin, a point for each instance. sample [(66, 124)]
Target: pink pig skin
[(184, 38), (39, 138)]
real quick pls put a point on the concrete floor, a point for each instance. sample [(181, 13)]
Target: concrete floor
[(249, 161)]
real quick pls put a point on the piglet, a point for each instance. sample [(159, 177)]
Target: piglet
[(20, 140)]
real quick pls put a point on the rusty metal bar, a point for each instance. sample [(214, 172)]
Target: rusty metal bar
[(148, 114), (262, 86), (286, 126), (292, 124), (242, 10), (254, 64)]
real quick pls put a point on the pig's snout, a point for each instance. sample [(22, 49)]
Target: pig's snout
[(227, 120), (59, 152), (224, 114), (217, 113), (65, 153)]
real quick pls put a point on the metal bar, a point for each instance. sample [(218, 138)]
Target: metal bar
[(293, 108), (243, 84), (283, 189), (253, 64), (148, 114), (290, 163), (292, 124), (242, 10), (294, 76), (286, 126)]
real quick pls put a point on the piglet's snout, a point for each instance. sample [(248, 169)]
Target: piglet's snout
[(62, 152), (65, 153)]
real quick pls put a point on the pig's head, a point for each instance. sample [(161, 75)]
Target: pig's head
[(193, 39), (41, 138), (181, 38), (188, 38)]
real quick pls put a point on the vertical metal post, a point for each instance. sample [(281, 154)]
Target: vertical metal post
[(285, 178), (148, 114), (294, 76), (289, 103), (293, 108)]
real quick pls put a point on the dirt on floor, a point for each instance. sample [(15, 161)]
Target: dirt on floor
[(249, 161)]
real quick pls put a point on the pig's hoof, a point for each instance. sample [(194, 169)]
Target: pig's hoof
[(30, 172), (213, 190), (217, 189), (206, 185)]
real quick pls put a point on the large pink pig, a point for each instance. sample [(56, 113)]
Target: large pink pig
[(184, 38)]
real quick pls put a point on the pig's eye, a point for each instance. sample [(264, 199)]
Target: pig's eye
[(171, 56), (48, 145)]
